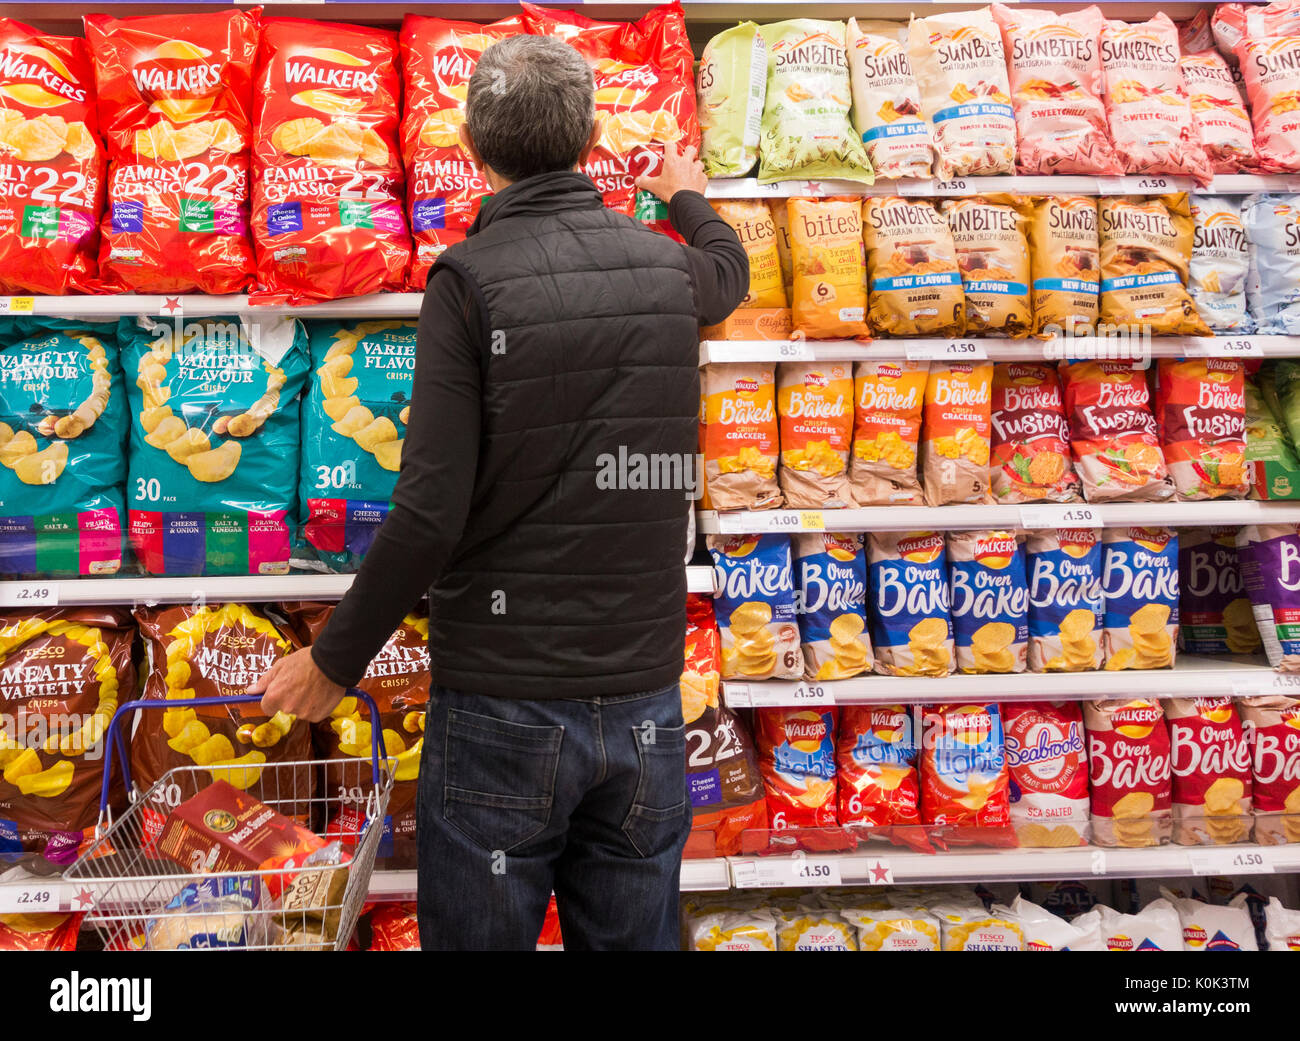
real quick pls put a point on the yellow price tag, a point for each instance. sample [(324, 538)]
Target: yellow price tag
[(811, 520), (17, 305)]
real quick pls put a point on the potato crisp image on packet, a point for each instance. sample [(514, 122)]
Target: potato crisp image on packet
[(1215, 615), (757, 607), (1201, 415), (1128, 757), (1140, 586), (1066, 609), (1047, 759)]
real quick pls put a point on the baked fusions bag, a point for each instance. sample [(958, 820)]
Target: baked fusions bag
[(887, 101), (914, 283)]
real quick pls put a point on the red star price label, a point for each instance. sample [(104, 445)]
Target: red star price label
[(879, 873)]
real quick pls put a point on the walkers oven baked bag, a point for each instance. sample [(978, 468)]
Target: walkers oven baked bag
[(911, 628), (1066, 608), (831, 571), (890, 397), (1129, 772), (757, 607), (1139, 583), (738, 409), (814, 404), (955, 443)]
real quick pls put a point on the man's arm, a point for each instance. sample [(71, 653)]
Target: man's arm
[(719, 263)]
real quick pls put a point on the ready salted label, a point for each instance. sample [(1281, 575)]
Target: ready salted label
[(1066, 608), (990, 601)]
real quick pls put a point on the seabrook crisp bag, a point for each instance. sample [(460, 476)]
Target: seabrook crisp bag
[(1139, 582), (1220, 264), (1219, 109), (1268, 52), (1215, 616), (887, 101), (1030, 451), (1066, 608), (876, 765), (955, 448), (1065, 264), (832, 574), (1272, 723), (731, 86), (1272, 223), (175, 96), (1211, 763), (1047, 761), (964, 778), (52, 179), (1113, 433), (911, 631), (988, 232), (893, 929), (914, 283), (796, 754), (758, 608), (829, 298), (889, 397), (814, 406), (751, 219), (1128, 757), (1156, 927), (1054, 61), (989, 602), (961, 69), (1269, 555), (1201, 415), (738, 409)]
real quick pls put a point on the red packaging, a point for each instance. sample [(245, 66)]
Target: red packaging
[(1128, 759), (875, 759), (1030, 448), (963, 767), (1201, 412), (328, 183), (175, 104), (39, 932), (796, 754), (1048, 763), (550, 939), (394, 927), (1273, 725), (1211, 765), (52, 176)]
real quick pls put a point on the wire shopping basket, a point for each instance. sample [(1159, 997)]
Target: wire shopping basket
[(312, 906)]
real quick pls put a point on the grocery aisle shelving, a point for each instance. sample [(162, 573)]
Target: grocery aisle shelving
[(1233, 184), (116, 305)]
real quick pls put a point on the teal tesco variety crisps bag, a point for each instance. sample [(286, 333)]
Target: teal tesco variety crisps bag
[(62, 464), (212, 488), (354, 420)]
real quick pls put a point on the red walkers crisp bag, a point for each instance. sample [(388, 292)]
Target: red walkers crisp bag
[(796, 754), (1272, 724), (443, 184), (394, 927), (1201, 412), (52, 173), (1210, 761), (964, 777), (1048, 763), (1030, 459), (328, 182), (175, 105), (1128, 760), (875, 754)]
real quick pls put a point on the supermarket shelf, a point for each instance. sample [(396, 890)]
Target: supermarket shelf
[(1237, 184), (376, 305)]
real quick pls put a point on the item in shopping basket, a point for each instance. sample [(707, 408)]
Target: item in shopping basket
[(889, 397), (1282, 928), (1272, 722), (829, 297), (1207, 927), (955, 443), (1272, 224), (175, 96), (893, 929), (832, 574), (757, 606), (806, 128), (876, 766), (1030, 450), (355, 417), (1146, 250), (1214, 613), (814, 406), (731, 86), (1219, 110), (969, 927), (1048, 766), (989, 601), (1045, 931), (1220, 260), (213, 462), (53, 931), (911, 631), (738, 408), (1201, 416), (1065, 264), (1156, 927), (1113, 433), (211, 914), (1271, 463), (1211, 764), (394, 927), (988, 232), (63, 673), (751, 219), (328, 183), (961, 70), (1128, 760), (1139, 582), (796, 754), (1267, 52), (1269, 555), (887, 101), (49, 134), (1066, 607), (963, 765), (914, 283)]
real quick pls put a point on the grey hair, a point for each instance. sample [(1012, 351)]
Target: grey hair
[(531, 106)]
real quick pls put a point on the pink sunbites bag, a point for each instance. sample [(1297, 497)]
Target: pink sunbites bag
[(1220, 112), (1269, 54)]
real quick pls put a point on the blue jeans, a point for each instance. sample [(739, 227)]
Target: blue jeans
[(586, 797)]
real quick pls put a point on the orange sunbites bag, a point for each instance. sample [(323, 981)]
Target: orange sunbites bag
[(328, 183), (175, 103), (52, 177)]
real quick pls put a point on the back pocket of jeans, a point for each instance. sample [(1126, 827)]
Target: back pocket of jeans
[(659, 808), (500, 778)]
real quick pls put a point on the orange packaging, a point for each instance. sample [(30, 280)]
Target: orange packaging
[(814, 404), (955, 449), (175, 106), (328, 183), (964, 778), (1201, 413), (52, 177), (888, 399), (781, 221), (796, 754), (752, 323), (1031, 439), (740, 436), (751, 219), (876, 765), (829, 262)]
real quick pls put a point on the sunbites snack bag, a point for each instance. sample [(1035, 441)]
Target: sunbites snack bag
[(1272, 724), (1215, 615), (1065, 264), (887, 101), (796, 753), (214, 443), (62, 464), (886, 428), (955, 450), (62, 675), (806, 129), (876, 765), (1048, 765), (1113, 433), (1207, 927), (328, 182), (988, 232), (1270, 568), (738, 408), (1220, 263), (175, 104), (1211, 763), (751, 219), (912, 273), (1201, 414), (1219, 109), (1054, 61), (1146, 250), (758, 609), (832, 574), (1155, 928), (964, 777), (731, 86), (52, 180), (1128, 756), (911, 630), (1272, 225), (1030, 453), (814, 404), (962, 72), (1140, 584), (1267, 55), (1066, 609), (1147, 101), (989, 600), (829, 295), (354, 424)]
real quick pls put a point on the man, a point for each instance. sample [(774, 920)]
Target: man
[(556, 336)]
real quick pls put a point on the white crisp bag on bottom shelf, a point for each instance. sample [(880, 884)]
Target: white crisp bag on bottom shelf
[(1210, 927), (1281, 927), (1156, 927), (1045, 931)]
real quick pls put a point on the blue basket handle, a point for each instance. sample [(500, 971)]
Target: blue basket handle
[(114, 739)]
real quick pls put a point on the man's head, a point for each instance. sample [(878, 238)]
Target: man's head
[(531, 107)]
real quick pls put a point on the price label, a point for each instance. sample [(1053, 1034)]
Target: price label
[(29, 594), (1225, 347), (950, 187), (30, 899), (946, 350), (794, 350), (1134, 185), (1062, 516), (1293, 184), (811, 520), (779, 872), (909, 188), (17, 304), (1229, 861), (1284, 683), (813, 694), (735, 523), (737, 695)]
